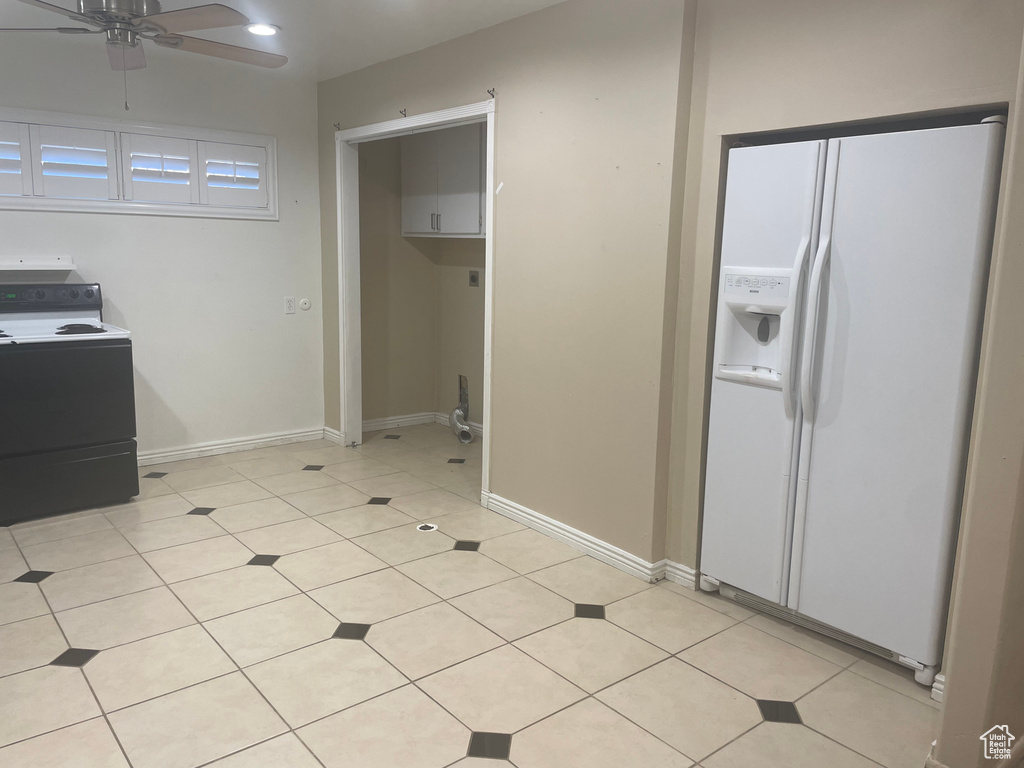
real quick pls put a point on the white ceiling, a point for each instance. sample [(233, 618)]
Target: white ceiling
[(323, 38)]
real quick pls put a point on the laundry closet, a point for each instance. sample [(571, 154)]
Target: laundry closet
[(422, 238)]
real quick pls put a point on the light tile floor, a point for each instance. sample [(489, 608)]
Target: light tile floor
[(279, 607)]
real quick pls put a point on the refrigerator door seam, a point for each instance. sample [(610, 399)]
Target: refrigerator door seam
[(807, 368), (801, 276)]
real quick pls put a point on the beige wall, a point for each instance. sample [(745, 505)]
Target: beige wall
[(216, 358), (585, 143), (422, 325), (398, 296), (1007, 696), (985, 683), (460, 326)]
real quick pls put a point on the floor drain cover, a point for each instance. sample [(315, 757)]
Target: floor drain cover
[(426, 527)]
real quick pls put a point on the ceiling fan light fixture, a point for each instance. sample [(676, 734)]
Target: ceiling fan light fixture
[(263, 30)]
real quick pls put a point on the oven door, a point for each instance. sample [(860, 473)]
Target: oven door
[(60, 395)]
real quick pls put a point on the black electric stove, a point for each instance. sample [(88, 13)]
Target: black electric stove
[(67, 403)]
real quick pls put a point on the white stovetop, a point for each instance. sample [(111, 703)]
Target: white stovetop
[(29, 328)]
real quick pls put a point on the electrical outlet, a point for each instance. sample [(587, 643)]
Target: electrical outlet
[(289, 305), (474, 278)]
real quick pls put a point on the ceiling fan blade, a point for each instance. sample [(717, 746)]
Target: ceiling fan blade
[(57, 9), (124, 57), (62, 30), (221, 50), (199, 17)]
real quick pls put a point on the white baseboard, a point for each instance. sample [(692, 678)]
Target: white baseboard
[(228, 446), (390, 422), (411, 419), (678, 573), (939, 688), (584, 542), (475, 427)]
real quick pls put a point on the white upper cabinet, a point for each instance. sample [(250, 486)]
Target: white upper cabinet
[(460, 180), (442, 182), (419, 183)]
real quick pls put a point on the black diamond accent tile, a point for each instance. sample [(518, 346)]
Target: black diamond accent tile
[(379, 500), (264, 560), (779, 711), (456, 461), (313, 467), (588, 611), (495, 746), (202, 510), (74, 657), (392, 437), (347, 631), (467, 546), (155, 475), (34, 577)]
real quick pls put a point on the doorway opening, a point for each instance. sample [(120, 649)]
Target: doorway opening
[(415, 258)]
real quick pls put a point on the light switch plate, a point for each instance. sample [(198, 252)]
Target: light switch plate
[(474, 278)]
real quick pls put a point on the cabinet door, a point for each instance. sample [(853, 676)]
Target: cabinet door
[(419, 183), (459, 179)]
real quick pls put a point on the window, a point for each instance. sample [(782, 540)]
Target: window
[(233, 175), (159, 169), (15, 175), (69, 163), (74, 163)]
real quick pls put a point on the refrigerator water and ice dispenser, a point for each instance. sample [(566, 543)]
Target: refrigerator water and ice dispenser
[(754, 337)]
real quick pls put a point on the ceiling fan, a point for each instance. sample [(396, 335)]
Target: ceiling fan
[(127, 22)]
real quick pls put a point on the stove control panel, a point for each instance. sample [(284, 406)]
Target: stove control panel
[(50, 297)]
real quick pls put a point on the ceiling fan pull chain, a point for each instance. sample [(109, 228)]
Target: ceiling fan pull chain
[(125, 72)]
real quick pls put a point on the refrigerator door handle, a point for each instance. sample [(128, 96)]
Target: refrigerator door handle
[(789, 340), (811, 327)]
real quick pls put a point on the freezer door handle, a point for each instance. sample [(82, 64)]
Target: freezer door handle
[(789, 339), (811, 327)]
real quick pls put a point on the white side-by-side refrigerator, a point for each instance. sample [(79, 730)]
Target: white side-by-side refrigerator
[(853, 275)]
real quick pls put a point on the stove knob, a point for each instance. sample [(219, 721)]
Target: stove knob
[(89, 293), (40, 294), (74, 293)]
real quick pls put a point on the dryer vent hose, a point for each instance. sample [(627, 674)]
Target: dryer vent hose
[(459, 418), (460, 427)]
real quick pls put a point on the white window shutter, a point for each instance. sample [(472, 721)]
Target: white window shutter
[(233, 175), (74, 163), (159, 169), (15, 159)]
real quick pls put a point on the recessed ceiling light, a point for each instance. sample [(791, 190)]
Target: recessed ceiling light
[(263, 29)]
